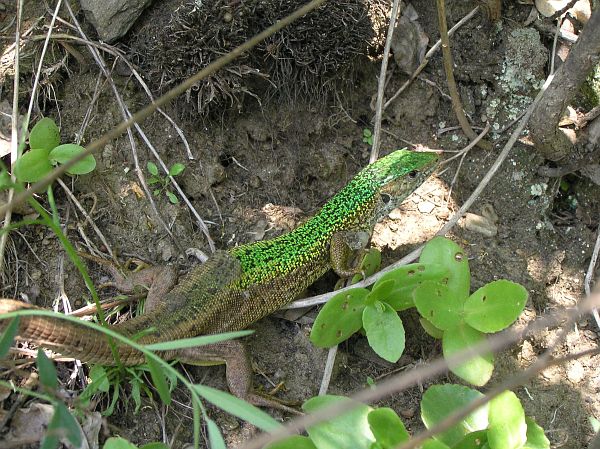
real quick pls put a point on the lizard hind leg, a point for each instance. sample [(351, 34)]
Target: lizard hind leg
[(344, 247), (238, 371)]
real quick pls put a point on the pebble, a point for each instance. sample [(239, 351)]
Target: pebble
[(575, 372), (425, 207)]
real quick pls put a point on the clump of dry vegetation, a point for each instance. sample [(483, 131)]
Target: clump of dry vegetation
[(306, 59)]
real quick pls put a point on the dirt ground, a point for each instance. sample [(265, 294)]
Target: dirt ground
[(261, 167)]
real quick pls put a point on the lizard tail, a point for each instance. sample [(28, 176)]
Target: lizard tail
[(67, 338)]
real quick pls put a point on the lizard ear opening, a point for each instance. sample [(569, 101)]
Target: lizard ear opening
[(385, 198), (413, 174)]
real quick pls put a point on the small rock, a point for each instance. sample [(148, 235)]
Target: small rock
[(480, 224), (407, 413), (112, 18), (575, 372), (425, 207)]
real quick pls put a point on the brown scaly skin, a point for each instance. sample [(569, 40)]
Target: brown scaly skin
[(236, 288)]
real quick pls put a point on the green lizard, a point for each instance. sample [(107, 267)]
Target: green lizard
[(234, 289)]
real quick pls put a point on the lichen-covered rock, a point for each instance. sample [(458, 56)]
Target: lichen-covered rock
[(112, 18)]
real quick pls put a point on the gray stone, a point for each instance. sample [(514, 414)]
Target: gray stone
[(112, 18)]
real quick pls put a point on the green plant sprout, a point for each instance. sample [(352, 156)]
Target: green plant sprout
[(438, 286), (500, 424), (164, 181), (367, 136)]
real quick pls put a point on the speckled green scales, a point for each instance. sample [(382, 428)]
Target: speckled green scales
[(351, 209)]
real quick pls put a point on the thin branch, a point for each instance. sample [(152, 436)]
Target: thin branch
[(448, 67), (381, 85)]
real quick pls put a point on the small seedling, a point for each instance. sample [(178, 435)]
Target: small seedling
[(438, 286), (164, 181), (367, 136), (45, 152)]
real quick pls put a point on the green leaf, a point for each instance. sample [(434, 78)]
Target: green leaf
[(159, 380), (176, 169), (339, 318), (407, 278), (495, 306), (214, 435), (172, 197), (48, 377), (385, 331), (8, 336), (33, 165), (156, 192), (136, 394), (440, 401), (152, 168), (5, 181), (99, 378), (431, 329), (536, 439), (445, 252), (45, 134), (293, 442), (64, 153), (473, 440), (434, 444), (238, 407), (118, 443), (478, 369), (62, 425), (154, 180), (595, 424), (350, 430), (367, 132), (197, 341), (507, 427), (387, 427), (381, 291), (369, 264), (439, 305)]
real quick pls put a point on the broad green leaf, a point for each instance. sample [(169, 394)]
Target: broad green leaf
[(172, 197), (595, 424), (64, 153), (33, 165), (214, 435), (99, 378), (439, 305), (198, 341), (431, 329), (348, 431), (440, 401), (62, 425), (176, 169), (536, 439), (159, 380), (238, 407), (478, 369), (293, 442), (369, 265), (507, 429), (45, 134), (495, 306), (8, 336), (473, 440), (48, 377), (407, 278), (387, 427), (381, 291), (339, 318), (118, 443), (445, 252), (385, 331), (434, 444), (152, 168), (5, 181)]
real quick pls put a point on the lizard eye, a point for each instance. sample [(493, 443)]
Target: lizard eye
[(413, 174), (385, 198)]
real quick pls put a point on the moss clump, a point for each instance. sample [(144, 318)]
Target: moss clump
[(590, 90)]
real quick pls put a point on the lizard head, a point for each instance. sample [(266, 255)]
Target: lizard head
[(397, 175)]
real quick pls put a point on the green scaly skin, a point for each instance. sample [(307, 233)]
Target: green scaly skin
[(236, 288)]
